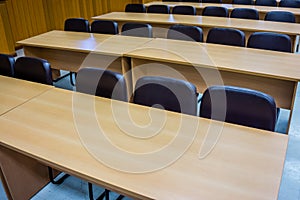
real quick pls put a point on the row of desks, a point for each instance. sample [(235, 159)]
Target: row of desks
[(186, 158), (262, 10), (161, 23), (272, 72)]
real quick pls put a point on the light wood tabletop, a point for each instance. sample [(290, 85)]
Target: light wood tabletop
[(14, 92), (261, 9), (72, 50), (203, 64), (130, 157), (164, 21), (203, 21)]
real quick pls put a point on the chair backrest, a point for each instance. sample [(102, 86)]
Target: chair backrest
[(266, 2), (77, 24), (280, 16), (211, 1), (104, 27), (33, 69), (289, 3), (137, 29), (239, 106), (164, 9), (171, 94), (216, 11), (101, 82), (183, 32), (242, 2), (195, 1), (184, 10), (244, 13), (270, 41), (135, 7), (7, 65), (226, 36)]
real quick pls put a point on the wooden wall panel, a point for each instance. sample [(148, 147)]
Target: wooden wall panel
[(28, 18), (6, 39)]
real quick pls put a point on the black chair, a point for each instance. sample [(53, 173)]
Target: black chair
[(216, 11), (135, 7), (168, 93), (164, 9), (289, 3), (211, 1), (33, 69), (101, 82), (226, 36), (77, 25), (184, 10), (7, 65), (195, 1), (137, 30), (37, 70), (239, 106), (266, 2), (104, 27), (244, 13), (183, 32), (242, 2), (270, 41), (280, 16)]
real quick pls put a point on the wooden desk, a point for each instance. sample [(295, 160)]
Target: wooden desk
[(245, 163), (14, 92), (203, 64), (72, 50), (262, 10), (164, 21)]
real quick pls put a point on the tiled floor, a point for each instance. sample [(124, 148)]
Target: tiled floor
[(74, 188)]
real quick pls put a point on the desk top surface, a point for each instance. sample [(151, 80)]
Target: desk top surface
[(85, 42), (14, 92), (262, 9), (173, 156), (228, 58), (203, 21)]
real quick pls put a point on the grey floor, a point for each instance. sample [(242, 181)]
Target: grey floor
[(73, 188)]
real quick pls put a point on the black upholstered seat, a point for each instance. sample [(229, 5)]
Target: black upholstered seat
[(104, 27), (266, 40), (167, 93), (244, 13), (211, 1), (163, 9), (242, 2), (135, 7), (280, 16), (7, 65), (77, 24), (266, 2), (239, 106), (184, 10), (289, 3), (215, 11), (226, 36), (137, 29), (33, 69), (183, 32), (101, 82)]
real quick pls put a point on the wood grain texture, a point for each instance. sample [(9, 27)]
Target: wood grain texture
[(14, 92), (245, 163), (6, 39)]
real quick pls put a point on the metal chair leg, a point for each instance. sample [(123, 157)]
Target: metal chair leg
[(91, 194), (71, 79), (51, 177)]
